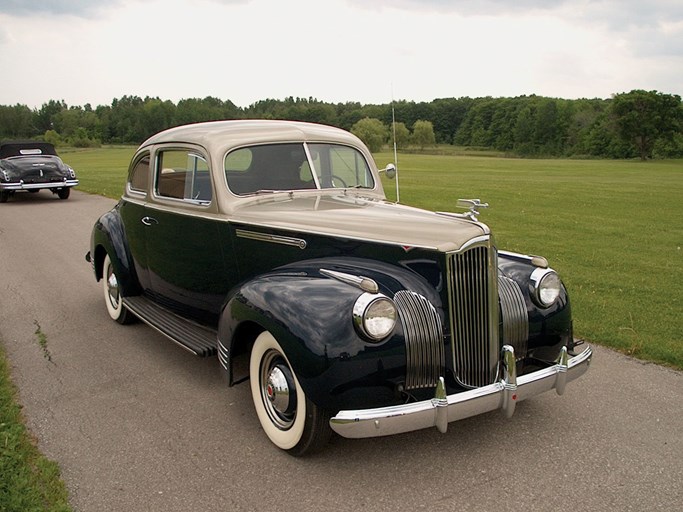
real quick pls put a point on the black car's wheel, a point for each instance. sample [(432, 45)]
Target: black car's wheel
[(290, 420), (112, 294), (63, 193), (4, 196)]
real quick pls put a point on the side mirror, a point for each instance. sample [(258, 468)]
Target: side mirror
[(390, 171)]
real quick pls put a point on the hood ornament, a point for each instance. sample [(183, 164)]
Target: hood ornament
[(473, 206)]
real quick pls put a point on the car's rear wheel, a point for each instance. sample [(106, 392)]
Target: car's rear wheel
[(63, 193), (112, 294), (290, 420)]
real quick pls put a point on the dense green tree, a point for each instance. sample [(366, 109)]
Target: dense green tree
[(16, 122), (447, 116), (400, 134), (44, 117), (372, 132), (643, 118), (423, 134)]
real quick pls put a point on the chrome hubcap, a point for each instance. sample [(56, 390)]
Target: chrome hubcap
[(278, 390), (113, 288)]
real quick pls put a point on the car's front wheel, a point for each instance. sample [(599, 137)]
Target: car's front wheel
[(290, 420), (4, 196), (112, 294), (63, 193)]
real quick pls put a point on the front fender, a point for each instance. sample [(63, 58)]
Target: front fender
[(108, 237), (550, 328), (310, 314)]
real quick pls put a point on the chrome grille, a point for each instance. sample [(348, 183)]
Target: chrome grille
[(513, 315), (425, 354), (473, 299)]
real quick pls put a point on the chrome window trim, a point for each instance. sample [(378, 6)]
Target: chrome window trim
[(191, 150)]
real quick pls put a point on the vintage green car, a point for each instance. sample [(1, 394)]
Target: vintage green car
[(271, 245)]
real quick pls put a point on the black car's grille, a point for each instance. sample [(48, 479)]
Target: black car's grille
[(473, 295), (424, 340)]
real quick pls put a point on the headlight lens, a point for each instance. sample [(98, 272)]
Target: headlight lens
[(547, 286), (374, 316)]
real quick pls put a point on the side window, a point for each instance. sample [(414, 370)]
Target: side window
[(183, 174), (340, 166), (139, 175)]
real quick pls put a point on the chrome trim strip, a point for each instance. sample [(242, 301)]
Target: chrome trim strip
[(503, 394), (275, 239)]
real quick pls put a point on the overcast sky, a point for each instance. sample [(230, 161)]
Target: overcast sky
[(87, 51)]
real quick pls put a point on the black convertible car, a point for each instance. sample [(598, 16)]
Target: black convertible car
[(32, 166)]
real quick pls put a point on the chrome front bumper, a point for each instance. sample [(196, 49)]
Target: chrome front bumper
[(32, 186), (443, 409)]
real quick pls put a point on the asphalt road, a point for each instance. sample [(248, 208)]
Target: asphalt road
[(138, 424)]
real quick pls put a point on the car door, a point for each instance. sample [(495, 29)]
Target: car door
[(132, 210), (184, 246)]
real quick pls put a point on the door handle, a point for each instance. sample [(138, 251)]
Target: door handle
[(148, 221)]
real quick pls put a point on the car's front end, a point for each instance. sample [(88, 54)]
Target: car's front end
[(402, 318)]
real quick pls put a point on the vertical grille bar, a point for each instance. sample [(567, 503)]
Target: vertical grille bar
[(425, 353), (473, 296)]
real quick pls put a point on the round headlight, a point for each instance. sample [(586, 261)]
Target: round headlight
[(547, 286), (374, 316)]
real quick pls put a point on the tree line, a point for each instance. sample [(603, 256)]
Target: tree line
[(644, 124)]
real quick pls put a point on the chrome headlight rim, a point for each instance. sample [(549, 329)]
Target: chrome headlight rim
[(547, 287), (364, 310)]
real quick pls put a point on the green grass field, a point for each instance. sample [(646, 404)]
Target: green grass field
[(612, 229)]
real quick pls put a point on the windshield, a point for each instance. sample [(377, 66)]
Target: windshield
[(276, 167)]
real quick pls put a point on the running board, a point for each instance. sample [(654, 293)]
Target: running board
[(199, 340)]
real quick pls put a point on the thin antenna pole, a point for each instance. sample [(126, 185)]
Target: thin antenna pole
[(393, 125)]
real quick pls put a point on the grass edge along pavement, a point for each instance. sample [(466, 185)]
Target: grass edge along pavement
[(28, 480)]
